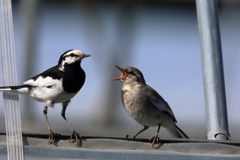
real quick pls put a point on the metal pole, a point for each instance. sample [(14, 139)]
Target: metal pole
[(212, 66), (9, 73)]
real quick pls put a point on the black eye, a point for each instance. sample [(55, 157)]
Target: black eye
[(130, 72), (73, 55)]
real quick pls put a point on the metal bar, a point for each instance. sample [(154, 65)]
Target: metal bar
[(212, 66), (8, 66), (104, 147), (62, 140)]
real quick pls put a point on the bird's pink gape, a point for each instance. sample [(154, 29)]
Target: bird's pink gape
[(124, 74)]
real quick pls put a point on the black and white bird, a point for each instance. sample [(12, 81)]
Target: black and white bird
[(56, 85), (145, 105)]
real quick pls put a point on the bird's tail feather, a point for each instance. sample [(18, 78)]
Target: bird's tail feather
[(5, 89), (22, 89), (178, 133), (183, 135)]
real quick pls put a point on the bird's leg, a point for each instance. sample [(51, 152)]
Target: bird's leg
[(51, 139), (73, 132), (134, 136), (155, 139)]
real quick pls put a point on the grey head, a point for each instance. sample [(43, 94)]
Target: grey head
[(130, 75)]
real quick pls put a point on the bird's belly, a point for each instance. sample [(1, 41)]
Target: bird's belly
[(63, 97), (140, 109), (55, 95), (143, 117)]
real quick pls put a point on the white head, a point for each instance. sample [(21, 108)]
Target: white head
[(70, 57)]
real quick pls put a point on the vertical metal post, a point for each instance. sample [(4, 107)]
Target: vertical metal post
[(212, 66), (9, 73)]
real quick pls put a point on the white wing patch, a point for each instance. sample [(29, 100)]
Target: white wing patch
[(23, 90), (48, 90), (42, 82)]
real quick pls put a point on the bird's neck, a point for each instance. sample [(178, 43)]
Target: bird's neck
[(73, 74), (73, 70), (73, 65), (131, 86)]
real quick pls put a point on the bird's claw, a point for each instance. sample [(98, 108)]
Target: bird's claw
[(51, 139), (77, 138), (155, 140), (127, 136)]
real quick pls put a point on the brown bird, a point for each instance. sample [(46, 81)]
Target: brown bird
[(145, 105)]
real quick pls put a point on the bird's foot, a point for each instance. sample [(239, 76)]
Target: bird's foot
[(127, 136), (155, 140), (51, 139), (75, 137)]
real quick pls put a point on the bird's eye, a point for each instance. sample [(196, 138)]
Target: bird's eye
[(73, 55), (130, 72)]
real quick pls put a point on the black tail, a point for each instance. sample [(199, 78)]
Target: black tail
[(15, 87), (181, 133), (22, 89)]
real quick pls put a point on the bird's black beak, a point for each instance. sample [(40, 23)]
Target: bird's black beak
[(86, 55), (124, 74)]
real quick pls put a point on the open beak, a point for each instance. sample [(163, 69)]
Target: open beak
[(124, 74)]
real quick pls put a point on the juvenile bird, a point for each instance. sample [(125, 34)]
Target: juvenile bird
[(56, 85), (145, 105)]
